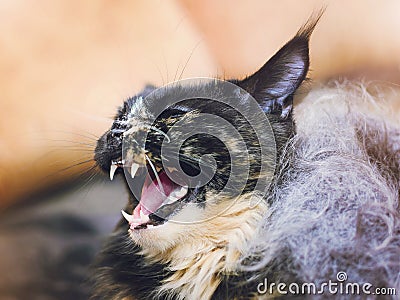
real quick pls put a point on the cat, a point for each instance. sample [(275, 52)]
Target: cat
[(331, 208)]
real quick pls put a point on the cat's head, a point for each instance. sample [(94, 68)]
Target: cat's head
[(192, 151)]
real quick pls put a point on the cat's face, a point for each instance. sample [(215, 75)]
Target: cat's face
[(191, 158)]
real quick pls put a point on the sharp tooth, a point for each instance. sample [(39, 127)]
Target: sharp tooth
[(128, 217), (113, 168), (134, 169), (182, 192)]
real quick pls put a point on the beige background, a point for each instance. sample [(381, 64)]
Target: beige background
[(66, 65)]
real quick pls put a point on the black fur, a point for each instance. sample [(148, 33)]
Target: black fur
[(121, 271)]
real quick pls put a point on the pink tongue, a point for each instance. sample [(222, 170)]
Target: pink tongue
[(153, 197)]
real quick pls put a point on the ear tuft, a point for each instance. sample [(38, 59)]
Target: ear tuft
[(274, 84), (307, 29)]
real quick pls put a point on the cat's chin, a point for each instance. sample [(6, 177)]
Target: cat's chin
[(170, 233), (207, 229), (207, 240)]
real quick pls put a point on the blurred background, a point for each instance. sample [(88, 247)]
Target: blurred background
[(65, 67)]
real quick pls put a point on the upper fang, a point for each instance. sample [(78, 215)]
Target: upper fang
[(134, 169), (113, 168)]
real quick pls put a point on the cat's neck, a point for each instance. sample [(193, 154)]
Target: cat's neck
[(197, 267)]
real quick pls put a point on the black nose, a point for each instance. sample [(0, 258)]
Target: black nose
[(108, 147)]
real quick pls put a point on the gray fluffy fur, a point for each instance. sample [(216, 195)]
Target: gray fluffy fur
[(335, 206)]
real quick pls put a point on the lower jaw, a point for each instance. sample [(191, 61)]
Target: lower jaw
[(141, 227), (153, 240)]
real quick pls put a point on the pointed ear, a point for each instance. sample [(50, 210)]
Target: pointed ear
[(275, 83)]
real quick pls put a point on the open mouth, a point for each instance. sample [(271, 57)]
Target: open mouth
[(160, 196)]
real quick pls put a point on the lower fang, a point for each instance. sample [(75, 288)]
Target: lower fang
[(129, 217)]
